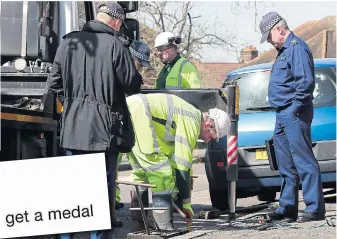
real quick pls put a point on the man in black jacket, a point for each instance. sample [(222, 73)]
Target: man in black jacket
[(92, 71)]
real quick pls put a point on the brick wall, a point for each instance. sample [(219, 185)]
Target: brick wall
[(212, 75)]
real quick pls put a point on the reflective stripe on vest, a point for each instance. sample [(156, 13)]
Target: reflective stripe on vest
[(181, 161), (179, 77), (168, 137), (180, 70), (155, 167), (183, 141), (135, 166), (148, 114), (185, 113), (169, 120), (158, 166)]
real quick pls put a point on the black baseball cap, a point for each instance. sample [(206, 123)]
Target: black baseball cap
[(267, 23)]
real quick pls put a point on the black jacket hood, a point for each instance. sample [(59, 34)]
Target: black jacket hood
[(96, 26), (99, 27)]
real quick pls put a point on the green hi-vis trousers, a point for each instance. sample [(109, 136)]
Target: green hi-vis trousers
[(152, 169)]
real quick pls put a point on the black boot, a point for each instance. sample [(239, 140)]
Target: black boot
[(119, 205), (163, 218), (274, 216), (311, 216), (136, 215), (114, 221)]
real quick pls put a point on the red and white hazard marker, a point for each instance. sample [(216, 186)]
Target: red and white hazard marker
[(232, 150)]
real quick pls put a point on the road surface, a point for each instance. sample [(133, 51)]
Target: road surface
[(219, 228)]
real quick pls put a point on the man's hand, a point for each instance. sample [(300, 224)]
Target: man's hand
[(187, 209)]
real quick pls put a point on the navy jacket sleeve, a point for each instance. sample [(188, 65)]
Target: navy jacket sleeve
[(304, 76), (55, 81), (126, 72)]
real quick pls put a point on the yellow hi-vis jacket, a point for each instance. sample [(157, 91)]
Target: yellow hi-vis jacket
[(165, 123), (183, 75)]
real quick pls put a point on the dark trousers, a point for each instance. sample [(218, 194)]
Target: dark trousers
[(296, 161), (111, 159)]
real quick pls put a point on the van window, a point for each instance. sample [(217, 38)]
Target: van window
[(325, 87), (254, 88)]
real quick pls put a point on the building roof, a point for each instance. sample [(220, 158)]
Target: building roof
[(319, 34), (249, 48), (322, 62)]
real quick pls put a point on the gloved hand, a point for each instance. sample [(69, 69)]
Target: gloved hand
[(187, 209)]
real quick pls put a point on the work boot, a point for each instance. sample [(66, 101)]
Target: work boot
[(311, 216), (275, 216), (163, 218), (136, 215)]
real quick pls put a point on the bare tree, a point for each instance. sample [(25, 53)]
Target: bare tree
[(177, 17), (258, 6)]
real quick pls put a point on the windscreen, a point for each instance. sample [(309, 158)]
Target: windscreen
[(254, 88)]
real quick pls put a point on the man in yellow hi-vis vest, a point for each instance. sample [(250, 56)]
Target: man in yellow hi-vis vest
[(167, 129), (178, 72)]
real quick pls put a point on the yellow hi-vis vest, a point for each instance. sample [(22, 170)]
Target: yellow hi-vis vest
[(165, 123), (183, 75)]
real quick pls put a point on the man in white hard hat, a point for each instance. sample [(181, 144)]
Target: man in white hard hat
[(167, 129), (178, 72)]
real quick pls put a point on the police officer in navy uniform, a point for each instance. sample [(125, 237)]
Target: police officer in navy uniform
[(290, 91), (141, 54)]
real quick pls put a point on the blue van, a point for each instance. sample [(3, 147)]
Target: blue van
[(256, 125)]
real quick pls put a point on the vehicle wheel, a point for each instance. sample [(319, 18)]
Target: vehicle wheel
[(267, 196), (219, 199)]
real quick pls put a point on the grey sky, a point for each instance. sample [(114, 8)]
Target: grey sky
[(296, 13)]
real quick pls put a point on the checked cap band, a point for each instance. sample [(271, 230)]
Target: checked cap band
[(115, 14), (112, 9), (139, 55), (271, 24), (267, 23)]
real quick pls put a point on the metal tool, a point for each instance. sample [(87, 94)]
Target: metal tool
[(212, 214), (142, 209), (183, 215), (153, 234)]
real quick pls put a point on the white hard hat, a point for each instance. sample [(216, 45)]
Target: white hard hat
[(221, 120), (165, 39)]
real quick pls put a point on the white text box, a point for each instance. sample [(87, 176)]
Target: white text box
[(53, 195)]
